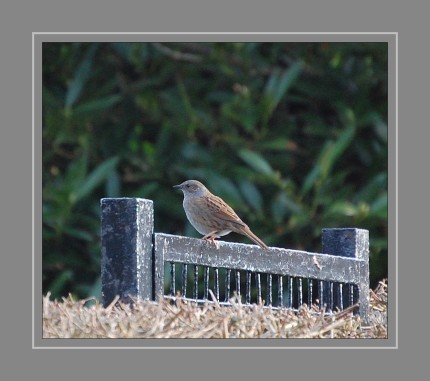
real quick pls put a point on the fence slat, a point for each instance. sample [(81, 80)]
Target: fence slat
[(227, 285), (196, 282), (172, 278), (300, 291), (206, 282), (184, 280), (237, 279), (216, 271), (248, 288), (280, 291), (258, 281), (269, 289)]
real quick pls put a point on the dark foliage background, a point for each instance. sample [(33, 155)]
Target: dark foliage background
[(292, 135)]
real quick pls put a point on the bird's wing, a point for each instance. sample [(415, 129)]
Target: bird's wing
[(223, 211)]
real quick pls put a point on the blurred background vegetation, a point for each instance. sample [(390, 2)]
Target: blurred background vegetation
[(292, 135)]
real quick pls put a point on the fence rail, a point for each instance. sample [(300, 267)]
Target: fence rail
[(135, 262)]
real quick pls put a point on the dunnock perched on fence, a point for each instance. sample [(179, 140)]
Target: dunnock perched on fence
[(210, 215)]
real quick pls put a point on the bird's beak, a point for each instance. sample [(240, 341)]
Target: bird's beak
[(177, 186)]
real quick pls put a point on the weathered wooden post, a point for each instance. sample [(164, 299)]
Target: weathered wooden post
[(352, 243), (127, 227)]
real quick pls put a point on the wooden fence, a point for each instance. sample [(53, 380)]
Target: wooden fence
[(136, 263)]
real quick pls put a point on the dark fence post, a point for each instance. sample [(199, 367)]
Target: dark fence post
[(352, 243), (127, 227)]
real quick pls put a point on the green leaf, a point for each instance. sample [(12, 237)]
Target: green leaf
[(79, 234), (96, 105), (95, 178), (281, 144), (252, 195), (328, 157), (75, 174), (81, 76), (113, 184), (147, 190), (283, 204), (334, 150), (311, 178), (379, 208), (278, 85), (373, 187), (60, 281), (256, 161), (96, 289), (225, 188), (287, 78), (342, 208), (241, 111), (125, 49)]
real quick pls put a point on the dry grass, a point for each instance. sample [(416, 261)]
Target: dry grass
[(184, 319)]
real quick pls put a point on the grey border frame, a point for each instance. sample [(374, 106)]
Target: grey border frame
[(389, 37)]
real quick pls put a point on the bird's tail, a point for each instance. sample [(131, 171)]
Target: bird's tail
[(247, 231)]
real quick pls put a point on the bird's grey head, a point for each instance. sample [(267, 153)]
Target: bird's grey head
[(192, 187)]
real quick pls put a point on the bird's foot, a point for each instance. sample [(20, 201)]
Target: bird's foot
[(211, 238)]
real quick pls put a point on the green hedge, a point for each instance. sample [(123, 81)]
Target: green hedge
[(292, 135)]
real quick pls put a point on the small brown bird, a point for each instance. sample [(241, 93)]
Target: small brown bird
[(210, 215)]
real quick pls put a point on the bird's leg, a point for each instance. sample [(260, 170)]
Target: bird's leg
[(211, 237)]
